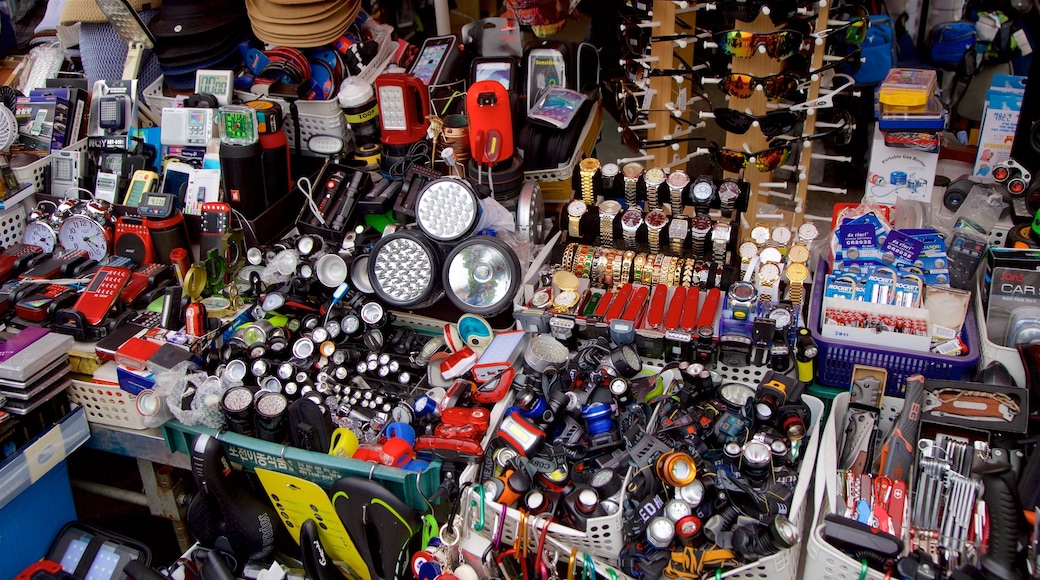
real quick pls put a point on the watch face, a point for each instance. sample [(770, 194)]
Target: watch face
[(654, 177), (589, 165), (632, 170), (721, 232), (742, 291), (40, 234), (782, 235), (540, 298), (566, 299), (656, 219), (609, 170), (703, 190), (797, 272), (808, 232), (781, 316), (609, 207), (798, 253), (760, 234), (678, 179), (632, 219), (701, 224), (678, 228), (729, 190), (577, 208), (82, 233), (771, 255), (769, 273), (748, 250)]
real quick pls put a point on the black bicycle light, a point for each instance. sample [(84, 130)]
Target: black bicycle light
[(481, 275), (403, 268), (271, 410), (237, 405)]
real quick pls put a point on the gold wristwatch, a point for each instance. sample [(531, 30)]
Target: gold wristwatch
[(587, 170), (631, 172), (677, 232), (608, 210), (575, 210), (565, 301), (768, 276), (798, 254), (655, 222), (796, 275), (654, 178)]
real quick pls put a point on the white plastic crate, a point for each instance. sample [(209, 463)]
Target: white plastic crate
[(107, 404), (604, 538), (822, 559), (35, 173), (12, 220)]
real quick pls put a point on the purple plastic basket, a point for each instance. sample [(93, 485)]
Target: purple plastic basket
[(837, 357)]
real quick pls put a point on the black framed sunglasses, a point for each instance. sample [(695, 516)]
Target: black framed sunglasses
[(780, 11), (635, 142), (772, 124), (633, 105), (766, 160), (841, 134)]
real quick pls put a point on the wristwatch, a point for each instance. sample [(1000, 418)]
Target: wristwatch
[(564, 301), (541, 298), (575, 210), (760, 235), (783, 316), (741, 298), (608, 210), (720, 241), (631, 172), (699, 229), (807, 233), (768, 276), (781, 234), (747, 252), (729, 193), (677, 182), (630, 222), (655, 222), (677, 231), (702, 192), (626, 266), (587, 170), (608, 172), (798, 254), (654, 179), (797, 273)]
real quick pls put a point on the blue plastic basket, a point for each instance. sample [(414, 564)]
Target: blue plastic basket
[(836, 358)]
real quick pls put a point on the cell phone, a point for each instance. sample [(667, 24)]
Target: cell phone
[(501, 69), (106, 347), (436, 61), (404, 104), (175, 179), (143, 181), (36, 307), (102, 292)]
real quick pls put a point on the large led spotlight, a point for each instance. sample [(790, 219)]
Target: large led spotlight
[(447, 209), (481, 275), (404, 268)]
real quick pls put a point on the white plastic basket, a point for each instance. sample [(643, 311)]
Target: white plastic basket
[(605, 538), (35, 173), (12, 220), (107, 404), (822, 559)]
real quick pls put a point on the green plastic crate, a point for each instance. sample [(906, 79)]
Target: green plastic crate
[(248, 452)]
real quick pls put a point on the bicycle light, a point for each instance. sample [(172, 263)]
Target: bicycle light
[(271, 410), (447, 209), (402, 268), (481, 275), (237, 405)]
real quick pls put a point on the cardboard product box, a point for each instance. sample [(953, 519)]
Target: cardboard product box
[(70, 111), (897, 172), (1014, 303), (999, 122), (873, 330), (35, 125)]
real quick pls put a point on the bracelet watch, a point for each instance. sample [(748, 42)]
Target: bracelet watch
[(700, 226), (655, 222), (631, 172), (654, 178), (587, 170), (608, 210), (677, 231), (630, 222)]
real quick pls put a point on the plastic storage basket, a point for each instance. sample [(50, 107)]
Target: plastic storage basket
[(605, 537), (991, 351), (836, 358), (107, 404), (35, 173)]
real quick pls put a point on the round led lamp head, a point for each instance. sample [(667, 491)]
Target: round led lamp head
[(481, 275), (331, 270), (403, 269), (447, 209)]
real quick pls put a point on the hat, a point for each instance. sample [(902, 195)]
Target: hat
[(181, 18), (89, 11), (301, 23), (190, 48)]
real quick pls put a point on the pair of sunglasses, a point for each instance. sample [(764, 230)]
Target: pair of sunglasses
[(852, 22), (630, 102), (771, 124), (780, 11), (735, 161), (632, 140), (780, 44), (842, 134)]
